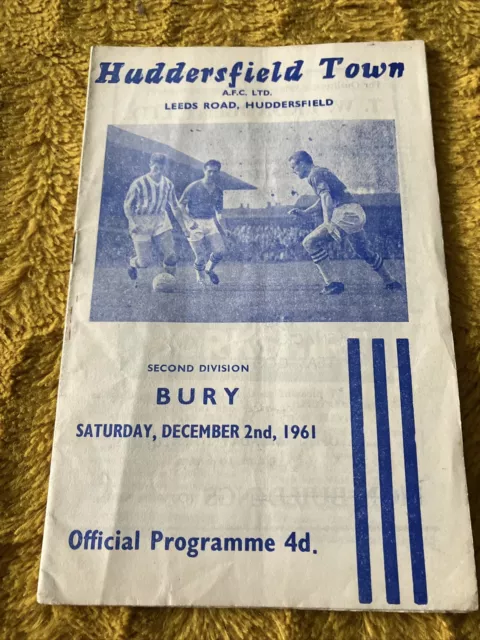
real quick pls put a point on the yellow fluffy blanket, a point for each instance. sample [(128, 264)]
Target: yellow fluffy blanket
[(44, 59)]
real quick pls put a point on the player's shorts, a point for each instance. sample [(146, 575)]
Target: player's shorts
[(146, 227), (347, 218), (205, 227)]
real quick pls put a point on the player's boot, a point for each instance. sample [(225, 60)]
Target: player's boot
[(394, 285), (333, 288), (132, 269), (214, 279)]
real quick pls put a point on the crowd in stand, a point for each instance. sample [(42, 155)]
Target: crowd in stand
[(263, 242), (267, 243), (277, 243)]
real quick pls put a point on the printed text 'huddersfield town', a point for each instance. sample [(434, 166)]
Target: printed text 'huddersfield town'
[(115, 72)]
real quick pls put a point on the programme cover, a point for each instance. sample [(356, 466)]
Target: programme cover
[(258, 402)]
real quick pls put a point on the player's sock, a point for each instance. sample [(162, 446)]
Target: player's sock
[(387, 278), (213, 261), (200, 271), (170, 264), (319, 258), (384, 274)]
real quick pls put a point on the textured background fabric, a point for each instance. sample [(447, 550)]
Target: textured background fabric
[(45, 51)]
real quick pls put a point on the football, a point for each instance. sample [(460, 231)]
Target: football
[(164, 282)]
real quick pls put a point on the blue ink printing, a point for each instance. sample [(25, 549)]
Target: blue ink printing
[(239, 72), (293, 222), (114, 72)]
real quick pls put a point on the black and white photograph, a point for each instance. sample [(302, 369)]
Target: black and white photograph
[(274, 222)]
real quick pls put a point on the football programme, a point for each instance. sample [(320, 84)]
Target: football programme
[(251, 357)]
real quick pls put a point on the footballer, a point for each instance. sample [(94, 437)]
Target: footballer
[(148, 222), (342, 217), (203, 204)]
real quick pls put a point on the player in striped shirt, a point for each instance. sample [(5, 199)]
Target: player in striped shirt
[(342, 217), (148, 222)]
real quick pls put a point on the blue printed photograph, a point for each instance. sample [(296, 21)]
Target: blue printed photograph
[(282, 222)]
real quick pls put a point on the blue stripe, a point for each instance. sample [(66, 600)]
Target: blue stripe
[(411, 474), (144, 203), (156, 188), (148, 188), (359, 474), (390, 561), (162, 190)]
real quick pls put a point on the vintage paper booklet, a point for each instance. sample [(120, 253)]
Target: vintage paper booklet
[(258, 403)]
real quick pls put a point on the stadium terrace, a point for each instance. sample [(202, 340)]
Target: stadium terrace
[(114, 72)]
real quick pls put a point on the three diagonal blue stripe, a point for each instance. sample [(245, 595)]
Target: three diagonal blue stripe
[(390, 560), (362, 541), (387, 503), (417, 552)]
